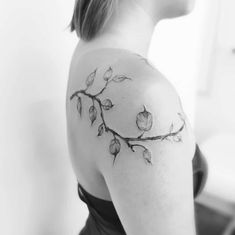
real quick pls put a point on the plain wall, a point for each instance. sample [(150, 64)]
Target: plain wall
[(218, 96), (178, 51), (215, 109), (38, 193)]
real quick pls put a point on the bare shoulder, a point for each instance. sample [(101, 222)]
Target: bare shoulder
[(129, 92), (126, 95), (145, 146)]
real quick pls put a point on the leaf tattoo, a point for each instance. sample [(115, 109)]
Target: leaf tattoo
[(107, 104), (92, 113), (120, 78), (177, 138), (79, 105), (90, 79), (144, 118), (114, 148), (108, 74), (100, 129), (147, 156)]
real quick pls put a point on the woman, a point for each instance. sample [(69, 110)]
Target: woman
[(129, 139)]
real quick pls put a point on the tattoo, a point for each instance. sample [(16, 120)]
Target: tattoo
[(146, 61), (144, 118)]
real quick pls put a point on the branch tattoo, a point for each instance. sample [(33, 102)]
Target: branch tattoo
[(144, 118), (145, 60)]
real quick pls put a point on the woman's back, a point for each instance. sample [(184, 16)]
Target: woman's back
[(129, 139)]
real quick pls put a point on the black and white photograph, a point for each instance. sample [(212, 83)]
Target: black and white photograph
[(117, 117)]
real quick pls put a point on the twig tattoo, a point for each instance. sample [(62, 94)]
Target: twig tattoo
[(144, 118), (145, 60)]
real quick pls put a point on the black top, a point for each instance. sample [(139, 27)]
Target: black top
[(103, 218)]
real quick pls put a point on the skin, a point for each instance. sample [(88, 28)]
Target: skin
[(144, 119), (157, 191)]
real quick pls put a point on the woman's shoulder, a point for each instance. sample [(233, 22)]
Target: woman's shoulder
[(123, 81), (119, 63), (131, 115), (120, 73), (123, 88), (144, 142)]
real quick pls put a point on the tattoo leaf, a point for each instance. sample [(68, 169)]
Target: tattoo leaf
[(108, 74), (177, 138), (92, 113), (79, 105), (107, 104), (100, 129), (114, 147), (144, 120), (120, 78), (147, 156), (90, 79)]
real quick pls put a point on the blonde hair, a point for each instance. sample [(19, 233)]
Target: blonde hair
[(90, 16)]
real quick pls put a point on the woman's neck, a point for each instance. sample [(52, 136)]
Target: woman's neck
[(129, 28)]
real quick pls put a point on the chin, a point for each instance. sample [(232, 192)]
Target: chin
[(189, 8), (185, 12), (180, 10)]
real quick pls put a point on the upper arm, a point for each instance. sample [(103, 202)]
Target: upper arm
[(148, 165)]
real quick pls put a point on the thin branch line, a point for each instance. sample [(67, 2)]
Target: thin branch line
[(127, 140)]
